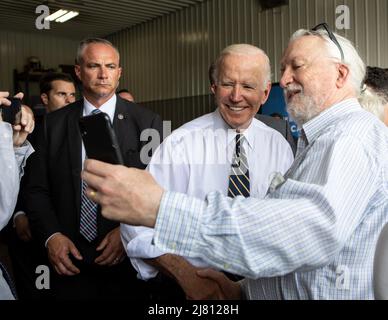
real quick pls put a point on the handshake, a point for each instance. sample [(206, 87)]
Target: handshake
[(19, 116)]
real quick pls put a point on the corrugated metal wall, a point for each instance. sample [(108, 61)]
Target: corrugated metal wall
[(16, 47), (165, 61), (168, 57)]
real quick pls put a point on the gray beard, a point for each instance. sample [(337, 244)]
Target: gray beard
[(304, 111)]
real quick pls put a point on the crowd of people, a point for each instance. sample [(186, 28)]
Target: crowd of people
[(224, 209)]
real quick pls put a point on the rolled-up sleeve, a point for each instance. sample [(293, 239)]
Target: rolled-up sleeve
[(299, 227)]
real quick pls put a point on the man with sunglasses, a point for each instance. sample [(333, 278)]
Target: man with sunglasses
[(314, 235)]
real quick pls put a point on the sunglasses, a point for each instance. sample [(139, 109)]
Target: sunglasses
[(331, 36)]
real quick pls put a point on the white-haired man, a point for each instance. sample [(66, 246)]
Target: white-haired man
[(197, 159), (314, 235)]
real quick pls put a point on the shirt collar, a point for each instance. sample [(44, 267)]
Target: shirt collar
[(220, 123), (313, 128), (108, 107)]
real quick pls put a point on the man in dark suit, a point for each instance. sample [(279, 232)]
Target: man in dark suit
[(87, 265), (56, 90)]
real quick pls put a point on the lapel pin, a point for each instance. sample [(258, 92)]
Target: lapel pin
[(120, 116)]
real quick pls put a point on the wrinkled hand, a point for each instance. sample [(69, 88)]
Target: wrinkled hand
[(125, 194), (59, 247), (229, 290), (112, 249), (22, 227), (199, 288)]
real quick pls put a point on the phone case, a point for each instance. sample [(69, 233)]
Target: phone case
[(9, 114), (99, 138)]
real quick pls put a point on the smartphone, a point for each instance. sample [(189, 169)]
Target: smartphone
[(12, 113), (99, 138)]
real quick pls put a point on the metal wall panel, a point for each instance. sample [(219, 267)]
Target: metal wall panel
[(16, 47), (168, 58)]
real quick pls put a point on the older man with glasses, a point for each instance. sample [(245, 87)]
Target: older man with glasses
[(314, 235)]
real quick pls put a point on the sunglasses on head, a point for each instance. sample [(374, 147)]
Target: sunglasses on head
[(331, 36)]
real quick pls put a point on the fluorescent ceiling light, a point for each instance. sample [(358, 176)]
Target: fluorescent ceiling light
[(67, 16), (56, 15)]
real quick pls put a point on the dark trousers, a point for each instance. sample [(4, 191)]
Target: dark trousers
[(164, 288), (96, 282), (25, 258)]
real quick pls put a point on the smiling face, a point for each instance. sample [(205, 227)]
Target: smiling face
[(309, 78), (99, 72), (239, 90)]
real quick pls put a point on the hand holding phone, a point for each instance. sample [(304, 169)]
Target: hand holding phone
[(12, 113)]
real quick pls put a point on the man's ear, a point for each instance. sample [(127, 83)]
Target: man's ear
[(77, 70), (267, 90), (44, 98), (213, 88), (343, 74)]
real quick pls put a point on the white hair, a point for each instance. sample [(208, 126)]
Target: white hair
[(373, 102), (352, 59), (244, 49)]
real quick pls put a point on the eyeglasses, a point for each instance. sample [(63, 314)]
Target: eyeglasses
[(331, 36)]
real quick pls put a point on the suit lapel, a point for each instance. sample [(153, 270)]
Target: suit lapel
[(122, 124), (127, 129), (119, 117), (75, 149)]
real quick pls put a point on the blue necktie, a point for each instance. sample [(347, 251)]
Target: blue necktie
[(239, 183), (88, 222)]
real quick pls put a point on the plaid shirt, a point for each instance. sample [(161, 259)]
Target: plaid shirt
[(314, 235)]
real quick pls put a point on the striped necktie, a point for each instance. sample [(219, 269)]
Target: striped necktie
[(239, 183), (88, 221)]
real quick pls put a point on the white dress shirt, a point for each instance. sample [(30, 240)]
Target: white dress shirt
[(196, 159), (314, 235), (12, 161)]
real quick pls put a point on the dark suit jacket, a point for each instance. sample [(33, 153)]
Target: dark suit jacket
[(54, 183), (282, 126)]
